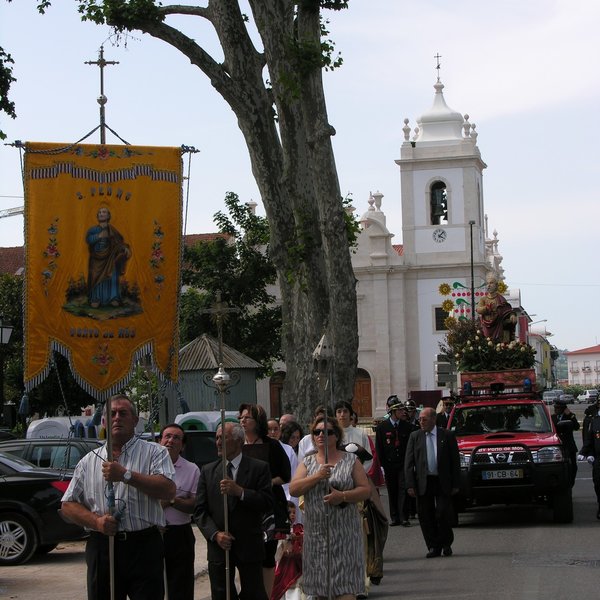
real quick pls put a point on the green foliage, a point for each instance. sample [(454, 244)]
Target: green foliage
[(123, 15), (6, 79), (239, 267), (143, 389), (472, 351)]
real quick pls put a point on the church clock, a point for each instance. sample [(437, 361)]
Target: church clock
[(439, 235)]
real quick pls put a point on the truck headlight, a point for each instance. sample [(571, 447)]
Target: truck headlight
[(548, 454)]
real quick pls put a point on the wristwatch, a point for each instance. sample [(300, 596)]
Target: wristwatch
[(127, 476)]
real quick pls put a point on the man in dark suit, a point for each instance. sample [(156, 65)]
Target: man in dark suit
[(432, 471), (248, 490), (391, 438), (443, 417)]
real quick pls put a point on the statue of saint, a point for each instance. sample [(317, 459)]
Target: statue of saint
[(496, 316), (108, 257)]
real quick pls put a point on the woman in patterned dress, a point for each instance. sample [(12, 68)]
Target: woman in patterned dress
[(333, 544)]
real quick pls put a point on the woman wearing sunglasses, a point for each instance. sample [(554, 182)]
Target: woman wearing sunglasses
[(332, 482)]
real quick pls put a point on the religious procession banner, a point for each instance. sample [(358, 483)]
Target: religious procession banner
[(102, 257)]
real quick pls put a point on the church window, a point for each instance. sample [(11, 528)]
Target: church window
[(438, 202), (440, 317)]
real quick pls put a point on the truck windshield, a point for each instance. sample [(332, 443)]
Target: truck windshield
[(474, 419)]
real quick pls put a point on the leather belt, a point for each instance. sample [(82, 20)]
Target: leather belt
[(129, 536)]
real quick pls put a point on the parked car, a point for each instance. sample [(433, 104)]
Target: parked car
[(550, 395), (30, 500), (567, 398), (588, 397), (57, 453)]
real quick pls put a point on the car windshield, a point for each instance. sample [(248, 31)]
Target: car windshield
[(475, 419)]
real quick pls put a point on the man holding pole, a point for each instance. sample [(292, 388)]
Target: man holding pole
[(140, 474), (234, 539)]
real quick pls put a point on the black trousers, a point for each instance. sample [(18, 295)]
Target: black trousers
[(138, 566), (435, 515), (251, 580), (180, 545), (396, 489)]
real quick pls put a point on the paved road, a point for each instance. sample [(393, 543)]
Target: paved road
[(60, 575)]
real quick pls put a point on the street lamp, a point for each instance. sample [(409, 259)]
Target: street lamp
[(471, 223), (6, 330)]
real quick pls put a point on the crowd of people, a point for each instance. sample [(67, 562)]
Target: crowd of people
[(285, 515)]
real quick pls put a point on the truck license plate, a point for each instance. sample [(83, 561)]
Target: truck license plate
[(503, 474)]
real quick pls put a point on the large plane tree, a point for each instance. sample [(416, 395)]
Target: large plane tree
[(276, 93)]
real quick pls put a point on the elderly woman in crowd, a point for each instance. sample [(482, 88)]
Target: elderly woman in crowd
[(332, 482)]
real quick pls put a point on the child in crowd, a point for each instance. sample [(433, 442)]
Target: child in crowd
[(288, 573)]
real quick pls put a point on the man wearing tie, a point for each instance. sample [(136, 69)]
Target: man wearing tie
[(248, 490), (432, 472)]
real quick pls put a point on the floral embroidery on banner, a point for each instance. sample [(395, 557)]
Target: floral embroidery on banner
[(51, 254), (157, 258), (103, 358)]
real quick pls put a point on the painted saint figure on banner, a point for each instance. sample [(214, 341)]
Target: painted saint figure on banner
[(108, 258)]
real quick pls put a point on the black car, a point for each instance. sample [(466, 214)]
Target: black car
[(52, 453), (30, 499)]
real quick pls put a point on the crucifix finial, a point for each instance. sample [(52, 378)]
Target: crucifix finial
[(219, 313), (438, 65), (102, 99)]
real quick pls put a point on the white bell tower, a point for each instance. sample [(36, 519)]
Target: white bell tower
[(442, 188), (443, 229)]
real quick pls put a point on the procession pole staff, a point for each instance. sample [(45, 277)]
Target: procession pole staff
[(322, 363), (110, 498), (221, 381), (219, 314)]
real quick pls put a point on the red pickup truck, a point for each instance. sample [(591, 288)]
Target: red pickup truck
[(510, 453)]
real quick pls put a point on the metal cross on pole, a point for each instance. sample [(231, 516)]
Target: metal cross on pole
[(102, 99), (219, 313)]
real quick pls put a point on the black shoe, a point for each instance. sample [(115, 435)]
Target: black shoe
[(394, 523), (447, 551), (375, 580), (405, 523), (598, 513), (433, 553)]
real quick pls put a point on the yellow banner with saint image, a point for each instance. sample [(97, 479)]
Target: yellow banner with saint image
[(102, 256)]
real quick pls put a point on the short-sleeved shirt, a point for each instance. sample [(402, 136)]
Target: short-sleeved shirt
[(138, 510), (187, 475)]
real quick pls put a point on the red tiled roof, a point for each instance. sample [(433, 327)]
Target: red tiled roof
[(12, 260), (191, 239), (399, 248), (590, 350)]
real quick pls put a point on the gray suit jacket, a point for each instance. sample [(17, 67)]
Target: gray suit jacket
[(448, 461)]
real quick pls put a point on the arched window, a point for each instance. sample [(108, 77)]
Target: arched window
[(439, 203)]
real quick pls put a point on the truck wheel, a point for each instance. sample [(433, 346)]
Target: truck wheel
[(562, 506), (17, 539)]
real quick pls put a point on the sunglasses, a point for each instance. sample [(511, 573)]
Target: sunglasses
[(318, 432)]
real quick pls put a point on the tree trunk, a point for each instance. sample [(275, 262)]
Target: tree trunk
[(288, 136)]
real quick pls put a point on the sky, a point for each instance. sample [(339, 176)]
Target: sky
[(523, 71)]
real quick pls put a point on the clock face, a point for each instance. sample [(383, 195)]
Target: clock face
[(439, 235)]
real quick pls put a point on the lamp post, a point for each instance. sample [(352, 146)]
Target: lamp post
[(6, 330), (471, 223)]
